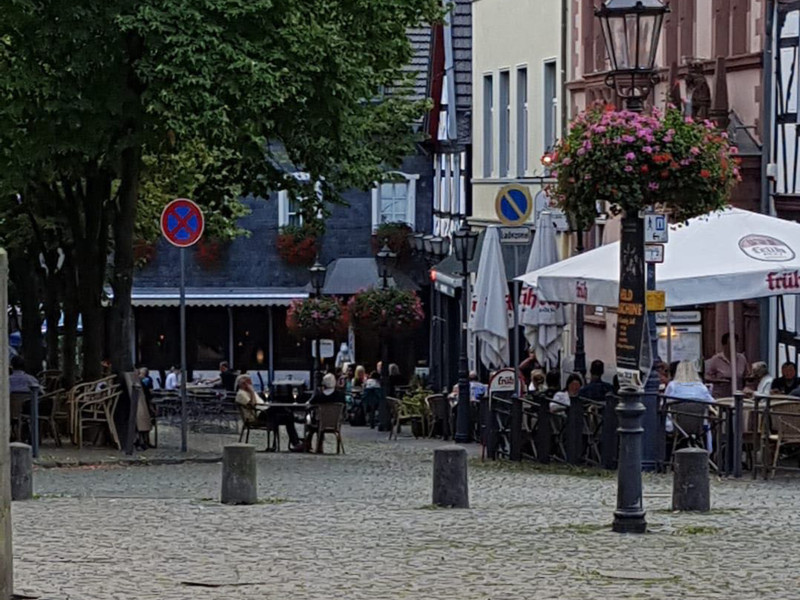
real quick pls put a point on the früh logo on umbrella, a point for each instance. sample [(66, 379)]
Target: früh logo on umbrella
[(766, 248)]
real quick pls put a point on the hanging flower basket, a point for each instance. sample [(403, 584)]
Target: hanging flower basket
[(387, 310), (396, 237), (665, 160), (313, 318), (209, 253), (298, 246)]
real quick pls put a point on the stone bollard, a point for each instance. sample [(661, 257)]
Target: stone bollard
[(239, 485), (690, 486), (450, 484), (21, 471)]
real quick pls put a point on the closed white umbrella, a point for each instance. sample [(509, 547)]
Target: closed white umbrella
[(542, 321), (490, 322)]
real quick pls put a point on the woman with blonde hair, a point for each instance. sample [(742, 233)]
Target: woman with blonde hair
[(360, 377), (246, 397), (687, 385)]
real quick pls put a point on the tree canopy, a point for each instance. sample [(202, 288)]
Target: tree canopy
[(109, 108)]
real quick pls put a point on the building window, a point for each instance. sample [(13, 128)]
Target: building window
[(289, 208), (522, 121), (394, 200), (488, 117), (505, 122), (550, 105)]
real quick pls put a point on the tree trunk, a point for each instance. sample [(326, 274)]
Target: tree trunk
[(27, 286), (125, 218), (90, 290), (71, 312), (52, 312)]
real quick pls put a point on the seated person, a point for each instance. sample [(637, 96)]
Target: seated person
[(246, 396), (561, 399), (19, 380), (476, 389), (788, 381), (328, 394), (596, 389)]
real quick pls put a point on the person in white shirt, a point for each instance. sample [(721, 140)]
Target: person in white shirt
[(763, 378), (173, 379), (560, 400)]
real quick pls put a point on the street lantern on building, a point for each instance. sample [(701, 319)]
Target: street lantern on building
[(317, 277), (318, 272), (465, 241), (385, 258), (631, 29)]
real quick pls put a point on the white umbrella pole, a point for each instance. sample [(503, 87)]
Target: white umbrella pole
[(515, 350), (732, 346), (669, 337)]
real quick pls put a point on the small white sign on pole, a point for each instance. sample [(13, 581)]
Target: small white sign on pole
[(654, 253), (656, 228), (515, 235), (325, 348)]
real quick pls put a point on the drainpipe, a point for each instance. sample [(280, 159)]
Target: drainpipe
[(767, 124), (564, 57)]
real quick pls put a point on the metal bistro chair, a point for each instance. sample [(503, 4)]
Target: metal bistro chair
[(785, 419), (690, 426), (403, 412), (329, 420), (440, 415), (273, 434)]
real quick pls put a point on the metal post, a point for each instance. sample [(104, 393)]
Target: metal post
[(183, 350), (462, 425), (384, 417), (34, 388), (767, 124), (630, 515), (738, 428), (579, 365), (318, 371), (6, 554), (515, 418), (543, 439), (271, 348), (650, 423)]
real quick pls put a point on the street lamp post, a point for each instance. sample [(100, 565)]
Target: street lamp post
[(464, 243), (384, 258), (631, 29), (317, 281)]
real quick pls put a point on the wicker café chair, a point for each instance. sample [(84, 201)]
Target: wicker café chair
[(329, 420)]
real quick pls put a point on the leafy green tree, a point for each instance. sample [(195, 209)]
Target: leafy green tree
[(98, 99)]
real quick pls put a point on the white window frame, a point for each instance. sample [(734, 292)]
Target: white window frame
[(488, 124), (522, 120), (284, 204), (550, 105), (411, 198)]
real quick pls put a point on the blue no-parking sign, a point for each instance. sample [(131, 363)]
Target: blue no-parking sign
[(513, 204), (182, 222)]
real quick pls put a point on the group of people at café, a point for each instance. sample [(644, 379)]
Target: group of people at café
[(256, 409)]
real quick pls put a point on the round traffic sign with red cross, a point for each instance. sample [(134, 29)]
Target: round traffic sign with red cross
[(182, 223)]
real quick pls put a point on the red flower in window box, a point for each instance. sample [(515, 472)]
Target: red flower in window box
[(143, 252), (209, 253), (298, 246), (389, 310)]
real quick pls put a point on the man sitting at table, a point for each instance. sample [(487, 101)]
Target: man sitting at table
[(788, 381), (246, 396), (596, 389)]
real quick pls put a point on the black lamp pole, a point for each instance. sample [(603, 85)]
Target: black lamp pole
[(384, 257), (317, 282), (464, 243), (631, 29), (580, 346)]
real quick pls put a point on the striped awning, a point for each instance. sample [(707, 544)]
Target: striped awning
[(209, 296)]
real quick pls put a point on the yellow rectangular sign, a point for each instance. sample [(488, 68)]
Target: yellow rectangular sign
[(656, 300)]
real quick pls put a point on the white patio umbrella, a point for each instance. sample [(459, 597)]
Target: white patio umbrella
[(490, 322), (542, 321), (723, 256)]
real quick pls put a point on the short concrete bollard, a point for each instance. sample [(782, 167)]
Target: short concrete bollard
[(450, 483), (21, 471), (239, 484), (690, 485)]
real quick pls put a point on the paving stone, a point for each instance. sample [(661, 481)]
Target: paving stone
[(360, 526)]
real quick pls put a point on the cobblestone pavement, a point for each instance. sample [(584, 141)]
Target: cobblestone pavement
[(360, 526)]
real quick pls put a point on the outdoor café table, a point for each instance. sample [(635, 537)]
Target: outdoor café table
[(303, 408)]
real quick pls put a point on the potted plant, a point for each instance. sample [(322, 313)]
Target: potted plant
[(298, 245), (389, 310), (313, 318), (143, 252), (395, 235), (633, 161)]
